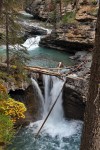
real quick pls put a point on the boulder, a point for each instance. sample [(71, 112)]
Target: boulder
[(31, 31), (70, 46)]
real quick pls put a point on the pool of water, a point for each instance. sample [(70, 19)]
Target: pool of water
[(49, 57), (45, 57), (57, 133), (25, 139)]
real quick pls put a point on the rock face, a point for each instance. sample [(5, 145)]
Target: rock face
[(72, 37), (76, 88), (72, 34), (66, 45), (74, 97), (31, 31), (38, 9), (73, 104)]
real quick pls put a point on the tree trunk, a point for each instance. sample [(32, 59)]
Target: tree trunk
[(91, 130), (54, 16), (7, 38), (60, 8), (1, 1)]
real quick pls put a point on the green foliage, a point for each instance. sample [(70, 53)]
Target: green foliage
[(4, 76), (94, 2), (10, 112), (68, 1), (6, 129), (13, 108), (3, 93), (9, 17), (69, 17), (4, 96)]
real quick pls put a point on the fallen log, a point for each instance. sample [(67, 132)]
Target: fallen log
[(41, 70), (48, 71), (44, 71)]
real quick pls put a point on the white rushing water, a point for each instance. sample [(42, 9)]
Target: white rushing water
[(47, 85), (32, 43), (56, 124), (38, 94), (24, 13), (57, 133), (57, 113)]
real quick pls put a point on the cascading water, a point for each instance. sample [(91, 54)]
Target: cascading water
[(57, 133), (38, 94), (47, 85), (53, 87), (32, 43)]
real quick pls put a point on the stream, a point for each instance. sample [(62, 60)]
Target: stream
[(58, 133), (43, 57)]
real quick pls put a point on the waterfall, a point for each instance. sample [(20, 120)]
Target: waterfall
[(56, 125), (52, 87), (47, 87), (57, 133), (32, 43), (57, 114), (25, 14), (38, 94)]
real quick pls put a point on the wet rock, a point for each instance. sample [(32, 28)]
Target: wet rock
[(82, 56), (76, 88), (31, 31), (70, 46), (73, 104)]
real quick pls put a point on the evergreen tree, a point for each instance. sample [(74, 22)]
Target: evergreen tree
[(1, 4), (12, 32)]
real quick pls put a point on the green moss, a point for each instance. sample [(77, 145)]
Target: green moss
[(94, 2), (69, 17)]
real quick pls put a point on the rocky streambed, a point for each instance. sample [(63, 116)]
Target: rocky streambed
[(76, 38), (70, 36), (74, 92)]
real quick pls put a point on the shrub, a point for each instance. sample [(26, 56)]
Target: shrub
[(6, 129), (69, 17), (94, 2), (3, 93), (10, 112), (13, 108)]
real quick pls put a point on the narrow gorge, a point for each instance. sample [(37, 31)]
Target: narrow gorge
[(59, 39)]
